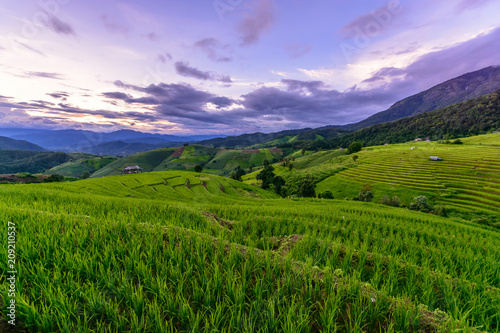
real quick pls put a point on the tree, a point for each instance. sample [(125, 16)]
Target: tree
[(306, 189), (354, 157), (326, 195), (85, 175), (303, 151), (266, 175), (290, 166), (237, 173), (54, 178), (279, 185), (198, 168), (366, 193), (421, 203), (354, 147)]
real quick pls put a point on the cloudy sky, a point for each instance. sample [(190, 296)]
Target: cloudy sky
[(230, 66)]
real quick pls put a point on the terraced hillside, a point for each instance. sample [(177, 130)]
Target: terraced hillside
[(76, 168), (189, 252), (467, 177), (217, 161)]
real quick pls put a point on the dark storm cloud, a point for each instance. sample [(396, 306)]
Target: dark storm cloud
[(184, 69), (58, 26), (212, 48), (256, 23)]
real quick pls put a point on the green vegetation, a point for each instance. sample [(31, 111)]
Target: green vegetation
[(189, 252), (472, 117), (82, 167), (15, 161)]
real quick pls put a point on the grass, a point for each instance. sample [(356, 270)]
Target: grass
[(188, 252)]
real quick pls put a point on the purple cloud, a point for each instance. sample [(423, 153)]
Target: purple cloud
[(436, 67), (59, 95), (469, 4), (153, 37), (45, 75), (58, 26), (113, 26), (254, 24), (184, 69), (297, 50), (373, 23), (164, 57), (211, 47)]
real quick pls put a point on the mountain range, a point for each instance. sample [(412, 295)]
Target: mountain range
[(462, 88), (127, 142), (124, 141)]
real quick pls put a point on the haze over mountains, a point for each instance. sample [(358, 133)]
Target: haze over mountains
[(127, 142), (124, 142), (467, 86)]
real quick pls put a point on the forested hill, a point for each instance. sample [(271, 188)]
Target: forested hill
[(459, 89), (8, 143), (472, 117)]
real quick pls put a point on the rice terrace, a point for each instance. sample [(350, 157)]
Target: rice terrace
[(241, 166)]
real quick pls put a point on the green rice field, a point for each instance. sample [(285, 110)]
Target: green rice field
[(178, 251)]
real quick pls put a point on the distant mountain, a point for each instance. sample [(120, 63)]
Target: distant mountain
[(467, 86), (472, 117), (11, 144), (15, 161), (121, 148), (246, 140), (462, 88), (84, 141)]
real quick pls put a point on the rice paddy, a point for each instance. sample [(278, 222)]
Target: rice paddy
[(188, 252)]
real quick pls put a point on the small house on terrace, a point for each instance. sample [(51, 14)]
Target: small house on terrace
[(435, 158), (132, 169)]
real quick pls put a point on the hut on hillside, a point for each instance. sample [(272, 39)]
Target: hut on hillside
[(435, 158), (132, 169)]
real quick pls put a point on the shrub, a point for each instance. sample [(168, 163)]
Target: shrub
[(440, 210), (354, 147), (198, 168), (421, 203), (237, 173), (458, 142), (306, 189), (388, 201), (366, 193), (25, 175), (326, 195), (354, 157), (85, 174), (54, 178)]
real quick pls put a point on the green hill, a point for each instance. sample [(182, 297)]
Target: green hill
[(472, 117), (466, 179), (15, 161), (76, 168), (216, 161), (190, 252), (468, 86), (11, 144)]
